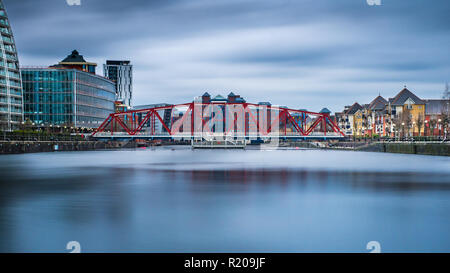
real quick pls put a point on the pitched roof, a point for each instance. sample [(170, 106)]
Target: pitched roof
[(404, 95), (219, 98), (353, 109), (206, 95), (75, 57), (231, 95), (325, 111), (379, 103)]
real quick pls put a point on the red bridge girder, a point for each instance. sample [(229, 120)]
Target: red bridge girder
[(236, 119)]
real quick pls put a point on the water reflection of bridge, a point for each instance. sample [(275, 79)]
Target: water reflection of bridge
[(219, 120)]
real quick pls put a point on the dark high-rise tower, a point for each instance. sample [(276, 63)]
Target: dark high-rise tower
[(11, 100), (121, 72)]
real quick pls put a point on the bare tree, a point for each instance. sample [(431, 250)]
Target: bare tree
[(445, 113), (433, 123), (420, 121), (406, 121), (397, 121), (445, 122)]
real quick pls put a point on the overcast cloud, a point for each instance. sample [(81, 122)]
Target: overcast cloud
[(301, 53)]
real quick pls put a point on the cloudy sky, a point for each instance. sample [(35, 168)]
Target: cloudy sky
[(301, 53)]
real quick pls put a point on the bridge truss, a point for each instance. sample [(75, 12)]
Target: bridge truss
[(218, 120)]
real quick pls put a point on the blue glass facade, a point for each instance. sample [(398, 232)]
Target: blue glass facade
[(11, 104), (66, 97)]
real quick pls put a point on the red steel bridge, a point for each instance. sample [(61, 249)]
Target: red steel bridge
[(219, 120)]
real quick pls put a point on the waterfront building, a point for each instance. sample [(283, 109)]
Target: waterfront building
[(435, 112), (220, 100), (11, 99), (379, 120), (347, 119), (327, 112), (232, 98), (361, 122), (407, 112), (119, 107), (70, 96), (405, 115), (205, 98), (121, 73), (267, 116)]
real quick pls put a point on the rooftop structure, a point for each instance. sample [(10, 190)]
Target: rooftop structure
[(77, 61), (404, 96)]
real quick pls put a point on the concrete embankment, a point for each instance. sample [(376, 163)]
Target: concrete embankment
[(441, 149), (422, 148), (19, 147)]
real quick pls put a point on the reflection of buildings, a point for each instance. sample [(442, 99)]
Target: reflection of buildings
[(68, 94), (11, 100), (121, 72)]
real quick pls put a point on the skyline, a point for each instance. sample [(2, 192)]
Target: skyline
[(304, 54)]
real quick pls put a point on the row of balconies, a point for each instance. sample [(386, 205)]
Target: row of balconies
[(12, 84), (14, 110), (10, 64), (10, 56), (7, 39), (12, 92), (3, 21), (11, 74), (4, 100)]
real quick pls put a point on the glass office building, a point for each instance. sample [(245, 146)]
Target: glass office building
[(66, 97), (11, 101)]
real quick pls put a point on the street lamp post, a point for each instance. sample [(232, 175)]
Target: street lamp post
[(403, 128), (23, 131)]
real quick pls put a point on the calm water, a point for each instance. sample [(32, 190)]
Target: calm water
[(165, 200)]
